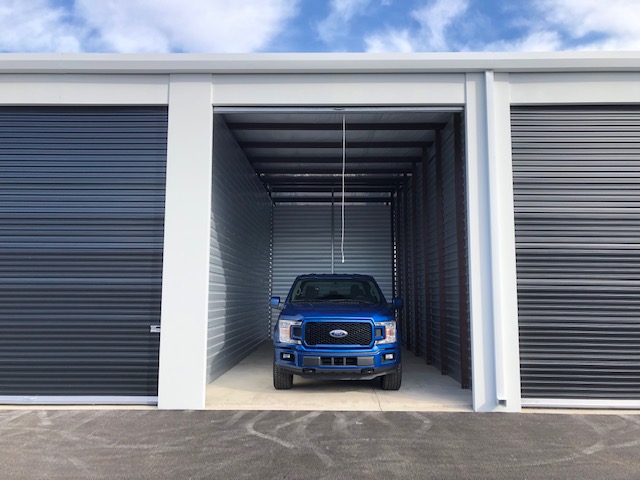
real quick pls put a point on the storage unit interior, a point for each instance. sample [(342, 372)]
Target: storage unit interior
[(277, 211)]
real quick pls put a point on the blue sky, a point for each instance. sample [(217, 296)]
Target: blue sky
[(233, 26)]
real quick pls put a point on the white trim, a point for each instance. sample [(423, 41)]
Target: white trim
[(335, 90), (575, 88), (337, 109), (50, 89), (431, 62), (185, 275), (580, 403), (76, 400)]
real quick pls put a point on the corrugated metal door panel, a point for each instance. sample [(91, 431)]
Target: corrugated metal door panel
[(432, 244), (239, 282), (82, 194), (577, 197), (451, 254)]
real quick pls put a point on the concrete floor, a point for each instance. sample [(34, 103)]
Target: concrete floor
[(248, 386)]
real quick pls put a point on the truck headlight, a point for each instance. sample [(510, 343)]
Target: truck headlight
[(390, 334), (284, 331)]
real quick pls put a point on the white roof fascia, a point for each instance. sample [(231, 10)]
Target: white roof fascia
[(319, 63)]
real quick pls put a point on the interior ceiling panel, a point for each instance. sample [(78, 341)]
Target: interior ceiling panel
[(301, 151)]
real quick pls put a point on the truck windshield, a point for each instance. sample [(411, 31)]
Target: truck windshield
[(336, 290)]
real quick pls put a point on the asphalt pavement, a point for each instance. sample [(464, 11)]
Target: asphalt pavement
[(150, 444)]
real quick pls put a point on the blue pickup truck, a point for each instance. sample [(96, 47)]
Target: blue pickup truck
[(336, 327)]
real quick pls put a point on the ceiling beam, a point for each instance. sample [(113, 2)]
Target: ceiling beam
[(334, 159), (324, 189), (304, 170), (328, 200), (333, 182), (334, 126), (337, 145)]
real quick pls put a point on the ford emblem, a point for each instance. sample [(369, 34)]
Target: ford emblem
[(338, 333)]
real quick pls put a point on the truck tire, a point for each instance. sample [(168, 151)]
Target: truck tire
[(281, 380), (392, 381)]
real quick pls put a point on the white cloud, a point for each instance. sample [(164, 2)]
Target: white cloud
[(537, 41), (545, 25), (186, 25), (391, 41), (335, 25), (433, 20), (130, 26), (253, 25), (615, 22), (35, 26)]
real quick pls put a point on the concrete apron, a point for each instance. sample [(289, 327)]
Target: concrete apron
[(248, 386)]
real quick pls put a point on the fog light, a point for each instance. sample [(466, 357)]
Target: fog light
[(287, 356), (388, 356)]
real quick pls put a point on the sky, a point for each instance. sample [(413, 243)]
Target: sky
[(238, 26)]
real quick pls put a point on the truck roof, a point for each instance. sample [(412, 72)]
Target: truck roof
[(335, 275)]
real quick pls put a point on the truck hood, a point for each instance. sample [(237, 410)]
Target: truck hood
[(311, 310)]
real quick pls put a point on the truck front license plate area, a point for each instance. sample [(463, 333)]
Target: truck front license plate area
[(312, 361)]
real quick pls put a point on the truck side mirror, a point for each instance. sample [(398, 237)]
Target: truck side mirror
[(274, 301), (397, 303)]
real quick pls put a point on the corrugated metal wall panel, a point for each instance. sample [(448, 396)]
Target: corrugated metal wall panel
[(432, 245), (302, 243), (577, 197), (411, 299), (401, 259), (463, 252), (367, 243), (452, 288), (240, 259), (411, 312), (82, 194), (420, 266)]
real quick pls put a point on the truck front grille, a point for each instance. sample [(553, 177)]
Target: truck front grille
[(358, 333)]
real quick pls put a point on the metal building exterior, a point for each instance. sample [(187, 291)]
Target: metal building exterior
[(150, 204)]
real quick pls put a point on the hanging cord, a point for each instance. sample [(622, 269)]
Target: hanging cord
[(344, 164)]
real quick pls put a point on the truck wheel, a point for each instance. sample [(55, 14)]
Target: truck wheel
[(281, 380), (392, 381)]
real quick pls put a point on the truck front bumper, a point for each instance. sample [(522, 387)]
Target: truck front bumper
[(338, 364)]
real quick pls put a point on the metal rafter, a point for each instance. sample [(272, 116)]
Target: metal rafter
[(336, 145), (421, 127)]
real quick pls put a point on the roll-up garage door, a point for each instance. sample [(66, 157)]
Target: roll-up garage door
[(576, 177), (82, 194)]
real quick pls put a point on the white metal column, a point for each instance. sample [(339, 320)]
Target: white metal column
[(503, 248), (185, 279), (492, 275)]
